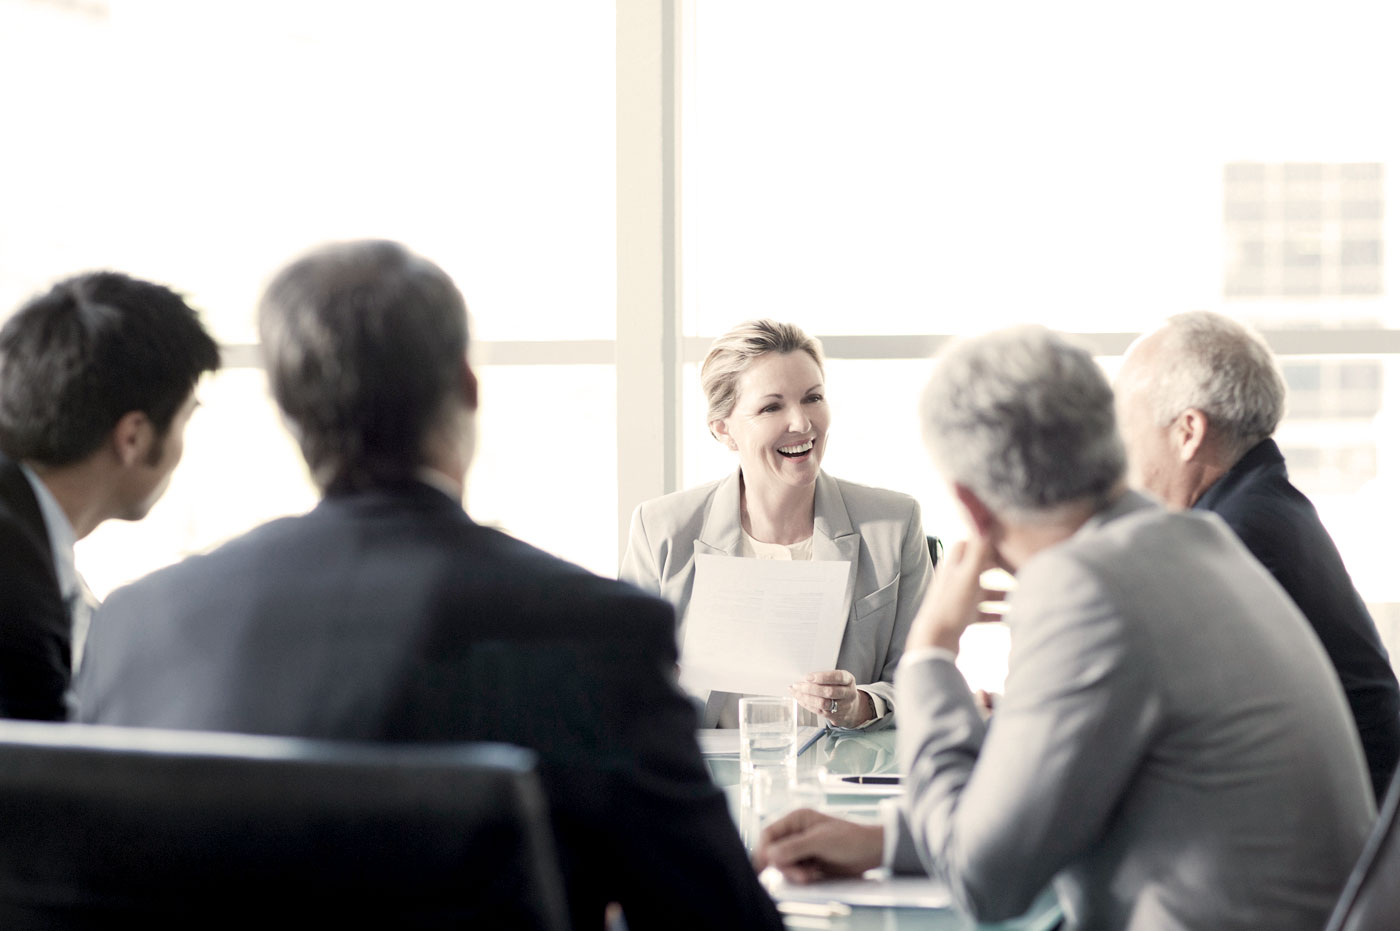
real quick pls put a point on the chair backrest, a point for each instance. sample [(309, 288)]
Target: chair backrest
[(935, 550), (100, 825), (1371, 899)]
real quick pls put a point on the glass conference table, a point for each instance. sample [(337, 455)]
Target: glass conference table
[(838, 754)]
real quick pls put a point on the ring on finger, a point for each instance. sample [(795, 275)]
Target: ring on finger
[(831, 708)]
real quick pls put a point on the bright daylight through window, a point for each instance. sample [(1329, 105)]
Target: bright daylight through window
[(900, 169), (884, 174)]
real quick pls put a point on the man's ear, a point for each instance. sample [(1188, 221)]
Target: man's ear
[(471, 389), (983, 521), (1188, 433), (132, 437)]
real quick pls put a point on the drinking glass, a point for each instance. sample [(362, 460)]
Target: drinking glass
[(767, 734)]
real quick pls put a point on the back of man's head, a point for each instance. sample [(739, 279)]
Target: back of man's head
[(365, 345), (1025, 420), (1219, 366), (96, 347)]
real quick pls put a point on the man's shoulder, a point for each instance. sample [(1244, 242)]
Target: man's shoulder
[(15, 531), (25, 557), (1130, 526), (24, 563), (19, 508), (1156, 588), (1250, 488), (200, 574), (27, 580), (1139, 541), (1270, 516), (515, 563), (1257, 491), (456, 547)]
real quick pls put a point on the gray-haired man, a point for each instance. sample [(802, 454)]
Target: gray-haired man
[(1172, 747), (1199, 399)]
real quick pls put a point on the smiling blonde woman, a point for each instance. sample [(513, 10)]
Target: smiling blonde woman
[(765, 386)]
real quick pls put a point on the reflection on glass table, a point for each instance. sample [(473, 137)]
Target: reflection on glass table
[(755, 800)]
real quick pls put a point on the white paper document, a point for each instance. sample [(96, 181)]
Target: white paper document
[(758, 625), (876, 887), (718, 741)]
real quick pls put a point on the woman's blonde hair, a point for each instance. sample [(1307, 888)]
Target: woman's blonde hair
[(731, 355)]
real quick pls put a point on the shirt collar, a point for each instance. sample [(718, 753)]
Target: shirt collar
[(61, 535), (442, 483), (1262, 456)]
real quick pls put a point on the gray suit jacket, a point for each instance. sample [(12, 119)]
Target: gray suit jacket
[(879, 533), (1173, 746)]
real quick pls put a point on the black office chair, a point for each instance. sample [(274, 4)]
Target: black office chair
[(107, 827), (935, 550), (1371, 899)]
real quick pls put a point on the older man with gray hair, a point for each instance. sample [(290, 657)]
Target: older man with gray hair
[(1172, 748), (1199, 400)]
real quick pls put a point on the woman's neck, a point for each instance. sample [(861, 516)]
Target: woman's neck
[(777, 515)]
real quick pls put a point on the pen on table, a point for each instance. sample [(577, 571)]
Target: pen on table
[(873, 780), (807, 745)]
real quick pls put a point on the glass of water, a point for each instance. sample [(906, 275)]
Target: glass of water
[(767, 734), (767, 794)]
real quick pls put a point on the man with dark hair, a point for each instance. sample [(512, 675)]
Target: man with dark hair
[(387, 614), (97, 382)]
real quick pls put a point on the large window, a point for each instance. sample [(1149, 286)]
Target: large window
[(893, 173), (204, 144), (615, 182)]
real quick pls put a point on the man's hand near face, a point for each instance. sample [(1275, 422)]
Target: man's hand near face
[(951, 605)]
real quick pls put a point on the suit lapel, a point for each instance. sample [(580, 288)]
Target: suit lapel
[(833, 537), (17, 493), (721, 533), (719, 536)]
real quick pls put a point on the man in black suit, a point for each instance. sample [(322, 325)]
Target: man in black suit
[(97, 382), (387, 614), (1199, 400)]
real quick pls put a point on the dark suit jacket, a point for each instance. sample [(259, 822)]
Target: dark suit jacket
[(1281, 528), (35, 626), (390, 615)]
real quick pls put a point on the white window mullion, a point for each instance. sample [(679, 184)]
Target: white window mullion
[(648, 258)]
